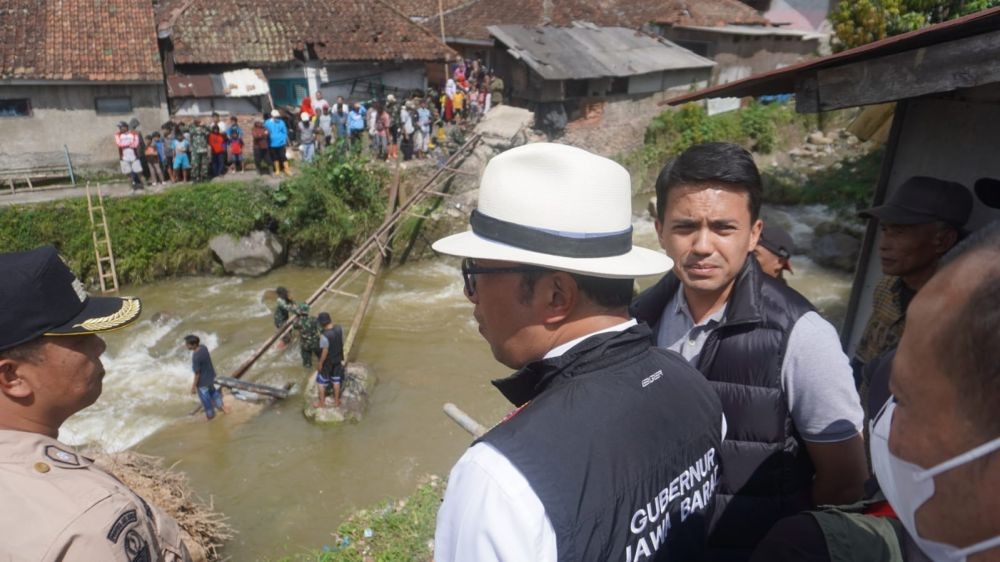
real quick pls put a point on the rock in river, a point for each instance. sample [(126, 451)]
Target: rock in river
[(251, 255), (357, 385), (836, 249)]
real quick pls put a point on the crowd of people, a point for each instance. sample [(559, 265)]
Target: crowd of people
[(715, 416), (387, 127)]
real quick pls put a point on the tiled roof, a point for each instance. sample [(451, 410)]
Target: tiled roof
[(424, 9), (101, 40), (469, 21), (252, 32)]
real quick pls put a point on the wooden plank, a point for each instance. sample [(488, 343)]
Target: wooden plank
[(963, 63), (230, 382), (344, 293), (806, 94)]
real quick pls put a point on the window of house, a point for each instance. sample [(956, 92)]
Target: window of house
[(619, 85), (15, 108), (576, 88), (111, 105)]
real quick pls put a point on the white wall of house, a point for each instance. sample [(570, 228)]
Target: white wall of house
[(191, 107), (669, 80), (66, 114), (354, 81)]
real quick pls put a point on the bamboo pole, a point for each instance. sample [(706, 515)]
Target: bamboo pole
[(465, 421), (367, 245)]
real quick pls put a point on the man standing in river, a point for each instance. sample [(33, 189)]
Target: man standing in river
[(58, 505), (612, 451), (204, 377)]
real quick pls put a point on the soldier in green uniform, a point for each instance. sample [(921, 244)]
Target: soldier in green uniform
[(308, 334), (284, 308), (199, 151)]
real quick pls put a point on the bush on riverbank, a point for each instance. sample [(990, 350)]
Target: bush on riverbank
[(846, 187), (400, 530), (320, 213), (757, 127)]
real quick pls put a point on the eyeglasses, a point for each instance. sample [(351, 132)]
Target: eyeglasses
[(470, 270)]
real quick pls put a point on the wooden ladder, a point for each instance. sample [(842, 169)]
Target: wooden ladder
[(102, 242)]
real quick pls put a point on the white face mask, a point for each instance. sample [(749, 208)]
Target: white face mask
[(908, 486)]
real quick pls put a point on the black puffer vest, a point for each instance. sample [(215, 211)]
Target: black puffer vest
[(619, 441), (767, 472)]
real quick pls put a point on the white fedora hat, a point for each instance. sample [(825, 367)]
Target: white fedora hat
[(558, 207)]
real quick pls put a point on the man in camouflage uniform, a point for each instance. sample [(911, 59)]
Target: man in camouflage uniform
[(308, 329), (199, 151)]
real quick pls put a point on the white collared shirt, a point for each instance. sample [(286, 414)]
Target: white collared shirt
[(490, 513)]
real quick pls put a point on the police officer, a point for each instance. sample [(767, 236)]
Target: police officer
[(613, 451), (58, 505)]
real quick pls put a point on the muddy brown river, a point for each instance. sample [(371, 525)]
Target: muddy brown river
[(284, 483)]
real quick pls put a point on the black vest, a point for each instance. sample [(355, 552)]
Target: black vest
[(768, 474), (334, 353), (619, 441)]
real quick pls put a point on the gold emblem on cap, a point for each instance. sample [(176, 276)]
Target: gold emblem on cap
[(130, 307), (42, 467)]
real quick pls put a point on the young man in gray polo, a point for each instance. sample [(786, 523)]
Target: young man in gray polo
[(785, 384), (612, 451)]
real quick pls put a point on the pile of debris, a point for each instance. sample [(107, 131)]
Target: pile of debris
[(204, 530)]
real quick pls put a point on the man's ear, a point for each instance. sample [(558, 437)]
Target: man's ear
[(945, 239), (561, 296), (658, 225), (11, 382), (755, 230)]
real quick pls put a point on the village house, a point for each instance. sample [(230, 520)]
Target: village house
[(944, 83), (584, 71), (738, 38), (356, 49), (69, 72)]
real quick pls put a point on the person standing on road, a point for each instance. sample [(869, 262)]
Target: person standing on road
[(261, 144), (199, 152), (307, 137), (204, 377), (612, 449), (277, 137), (58, 504), (330, 375), (127, 142)]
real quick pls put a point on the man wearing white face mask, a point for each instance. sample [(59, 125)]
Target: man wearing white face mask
[(935, 445)]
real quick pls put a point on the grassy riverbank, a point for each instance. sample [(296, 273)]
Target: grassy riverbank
[(320, 213), (399, 530)]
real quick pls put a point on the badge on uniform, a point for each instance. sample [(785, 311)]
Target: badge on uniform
[(123, 521), (136, 547), (65, 457)]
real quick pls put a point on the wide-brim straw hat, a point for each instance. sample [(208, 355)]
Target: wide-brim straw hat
[(558, 207)]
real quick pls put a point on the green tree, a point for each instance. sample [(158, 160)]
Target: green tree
[(858, 22)]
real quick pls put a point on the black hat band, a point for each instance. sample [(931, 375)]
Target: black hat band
[(565, 244)]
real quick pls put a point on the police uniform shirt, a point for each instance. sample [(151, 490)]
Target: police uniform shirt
[(58, 505), (490, 512)]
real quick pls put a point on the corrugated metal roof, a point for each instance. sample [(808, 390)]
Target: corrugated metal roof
[(243, 83), (584, 52), (782, 81)]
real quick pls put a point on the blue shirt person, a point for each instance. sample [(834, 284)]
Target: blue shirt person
[(204, 377), (277, 131)]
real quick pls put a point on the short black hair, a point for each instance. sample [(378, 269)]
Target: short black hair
[(971, 337), (718, 162), (611, 294), (192, 339)]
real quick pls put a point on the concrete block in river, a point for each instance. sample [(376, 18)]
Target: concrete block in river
[(355, 391), (255, 254)]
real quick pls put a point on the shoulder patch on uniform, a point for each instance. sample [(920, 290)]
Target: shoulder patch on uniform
[(136, 547), (123, 521), (65, 457)]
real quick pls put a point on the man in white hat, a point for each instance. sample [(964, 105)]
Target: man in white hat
[(57, 504), (612, 450)]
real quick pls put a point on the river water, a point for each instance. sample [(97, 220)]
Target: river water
[(284, 483)]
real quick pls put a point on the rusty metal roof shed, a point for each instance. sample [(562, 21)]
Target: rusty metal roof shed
[(586, 51), (802, 78)]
